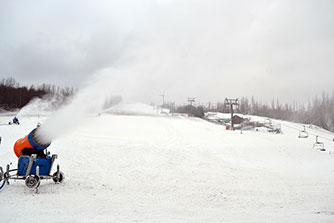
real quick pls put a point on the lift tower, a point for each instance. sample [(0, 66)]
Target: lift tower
[(232, 102)]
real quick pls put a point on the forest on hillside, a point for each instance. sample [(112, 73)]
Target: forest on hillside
[(14, 96)]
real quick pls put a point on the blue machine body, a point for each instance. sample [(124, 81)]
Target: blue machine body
[(43, 163)]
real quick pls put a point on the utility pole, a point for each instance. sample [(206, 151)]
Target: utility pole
[(230, 102)]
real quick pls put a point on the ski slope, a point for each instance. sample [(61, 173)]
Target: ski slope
[(150, 168)]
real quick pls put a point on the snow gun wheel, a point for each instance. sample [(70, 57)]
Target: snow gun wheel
[(32, 182), (58, 177)]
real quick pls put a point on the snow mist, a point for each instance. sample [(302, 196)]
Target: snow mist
[(91, 100)]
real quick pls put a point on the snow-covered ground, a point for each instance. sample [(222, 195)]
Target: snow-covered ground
[(151, 168)]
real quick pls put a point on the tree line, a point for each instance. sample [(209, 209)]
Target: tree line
[(318, 111), (14, 96)]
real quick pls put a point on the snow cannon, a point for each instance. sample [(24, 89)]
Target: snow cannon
[(30, 144), (33, 164)]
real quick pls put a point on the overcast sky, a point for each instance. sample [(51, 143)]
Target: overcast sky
[(208, 49)]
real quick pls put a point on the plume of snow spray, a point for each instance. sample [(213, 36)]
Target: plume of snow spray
[(99, 93), (40, 106)]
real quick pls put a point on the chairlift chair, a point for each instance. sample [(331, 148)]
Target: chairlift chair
[(303, 133), (319, 145)]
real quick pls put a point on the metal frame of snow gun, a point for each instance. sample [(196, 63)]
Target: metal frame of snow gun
[(30, 172)]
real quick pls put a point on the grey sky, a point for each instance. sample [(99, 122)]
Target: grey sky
[(208, 49)]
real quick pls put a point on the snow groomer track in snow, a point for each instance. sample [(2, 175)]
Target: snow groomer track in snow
[(33, 165)]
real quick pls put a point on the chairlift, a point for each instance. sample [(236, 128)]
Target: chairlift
[(303, 133), (319, 145), (268, 122)]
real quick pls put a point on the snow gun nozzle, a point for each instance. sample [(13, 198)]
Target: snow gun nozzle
[(35, 140)]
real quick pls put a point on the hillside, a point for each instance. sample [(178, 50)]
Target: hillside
[(150, 168)]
